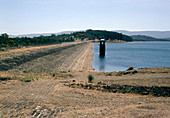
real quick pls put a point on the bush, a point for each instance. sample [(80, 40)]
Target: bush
[(25, 80), (90, 78), (2, 49), (63, 71)]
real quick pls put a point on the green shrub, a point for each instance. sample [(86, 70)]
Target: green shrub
[(25, 80), (2, 49), (90, 78), (25, 71), (63, 71)]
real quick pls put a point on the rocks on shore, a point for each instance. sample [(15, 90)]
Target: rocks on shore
[(157, 91)]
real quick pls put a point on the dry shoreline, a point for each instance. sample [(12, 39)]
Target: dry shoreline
[(48, 96)]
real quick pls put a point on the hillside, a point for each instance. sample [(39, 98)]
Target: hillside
[(156, 34), (147, 38), (6, 41), (99, 34)]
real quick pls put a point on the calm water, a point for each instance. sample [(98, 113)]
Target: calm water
[(120, 56)]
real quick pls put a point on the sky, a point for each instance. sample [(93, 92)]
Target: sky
[(52, 16)]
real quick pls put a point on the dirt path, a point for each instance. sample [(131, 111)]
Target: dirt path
[(75, 57)]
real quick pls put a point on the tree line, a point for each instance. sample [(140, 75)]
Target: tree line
[(6, 41), (100, 34)]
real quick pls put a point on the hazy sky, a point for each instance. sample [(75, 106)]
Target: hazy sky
[(43, 16)]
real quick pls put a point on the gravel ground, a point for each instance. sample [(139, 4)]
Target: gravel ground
[(51, 98), (74, 57)]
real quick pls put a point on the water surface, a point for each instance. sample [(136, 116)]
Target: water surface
[(120, 56)]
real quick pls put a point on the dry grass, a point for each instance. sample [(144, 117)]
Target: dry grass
[(24, 49)]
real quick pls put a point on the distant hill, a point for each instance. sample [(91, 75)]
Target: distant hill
[(89, 34), (99, 34), (148, 38), (155, 34), (40, 34), (28, 40)]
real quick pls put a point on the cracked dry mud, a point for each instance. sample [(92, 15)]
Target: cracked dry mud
[(48, 96)]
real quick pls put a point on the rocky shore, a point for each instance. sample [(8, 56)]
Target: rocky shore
[(157, 91)]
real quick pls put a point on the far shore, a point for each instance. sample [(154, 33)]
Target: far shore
[(152, 41)]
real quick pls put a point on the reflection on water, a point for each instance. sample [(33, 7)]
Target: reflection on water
[(101, 63)]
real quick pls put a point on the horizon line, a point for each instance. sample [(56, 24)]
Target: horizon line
[(76, 30)]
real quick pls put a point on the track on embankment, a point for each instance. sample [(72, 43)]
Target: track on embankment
[(73, 57)]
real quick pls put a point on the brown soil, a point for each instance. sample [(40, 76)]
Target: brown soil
[(47, 96)]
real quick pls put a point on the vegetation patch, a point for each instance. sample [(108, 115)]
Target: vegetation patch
[(6, 41), (63, 71), (161, 91), (90, 78), (4, 78), (108, 74), (15, 78), (126, 73), (25, 80), (2, 49), (63, 76)]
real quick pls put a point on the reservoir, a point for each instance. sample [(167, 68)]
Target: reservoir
[(120, 56)]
